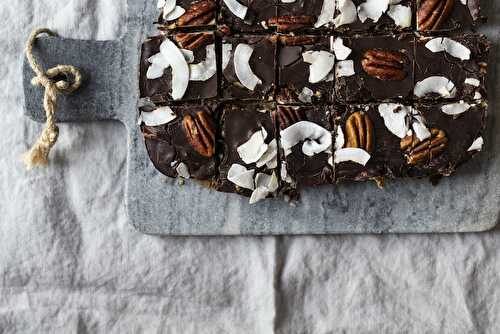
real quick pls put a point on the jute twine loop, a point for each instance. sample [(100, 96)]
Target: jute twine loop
[(55, 81)]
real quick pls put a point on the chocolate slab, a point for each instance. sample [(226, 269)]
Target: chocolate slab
[(304, 170), (239, 122), (447, 15), (168, 145), (363, 87), (384, 25), (293, 72), (262, 63), (461, 131), (198, 14), (158, 90), (442, 63), (255, 20)]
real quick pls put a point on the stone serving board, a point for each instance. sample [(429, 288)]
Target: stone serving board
[(466, 202)]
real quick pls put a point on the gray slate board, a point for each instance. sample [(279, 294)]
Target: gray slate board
[(466, 202)]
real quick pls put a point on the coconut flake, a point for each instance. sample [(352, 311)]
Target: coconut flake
[(160, 60), (356, 155), (270, 156), (284, 173), (241, 176), (339, 138), (477, 145), (236, 8), (435, 84), (341, 51), (168, 7), (395, 118), (306, 95), (418, 126), (455, 108), (401, 15), (206, 69), (242, 67), (174, 14), (477, 96), (188, 55), (464, 2), (264, 185), (450, 46), (160, 116), (288, 1), (321, 64), (472, 81), (316, 138), (155, 72), (326, 14), (226, 54), (180, 68), (254, 148), (183, 171), (347, 14), (344, 68), (372, 9)]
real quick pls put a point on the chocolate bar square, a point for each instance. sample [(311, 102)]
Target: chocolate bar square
[(296, 82), (187, 14), (361, 127), (248, 67), (180, 140), (447, 15), (451, 68), (247, 15), (305, 142), (249, 149), (377, 69), (156, 80), (303, 16), (461, 125), (374, 18)]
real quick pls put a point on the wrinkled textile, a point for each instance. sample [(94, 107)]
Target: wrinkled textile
[(70, 263)]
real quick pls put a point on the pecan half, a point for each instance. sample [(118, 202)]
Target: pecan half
[(192, 41), (290, 115), (432, 14), (297, 40), (200, 13), (418, 152), (200, 133), (359, 132), (291, 22), (384, 64)]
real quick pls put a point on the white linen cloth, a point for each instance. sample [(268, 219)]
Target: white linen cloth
[(69, 262)]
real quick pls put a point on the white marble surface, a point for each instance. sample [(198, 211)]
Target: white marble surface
[(69, 262)]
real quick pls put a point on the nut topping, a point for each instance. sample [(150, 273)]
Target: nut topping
[(200, 13), (359, 132), (418, 152), (291, 22), (384, 64), (433, 13), (288, 116), (200, 133), (194, 40), (297, 40)]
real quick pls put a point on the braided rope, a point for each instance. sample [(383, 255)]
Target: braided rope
[(39, 152)]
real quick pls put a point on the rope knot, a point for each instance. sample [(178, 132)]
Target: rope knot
[(59, 79)]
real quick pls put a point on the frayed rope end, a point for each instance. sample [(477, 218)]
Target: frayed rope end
[(35, 157)]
